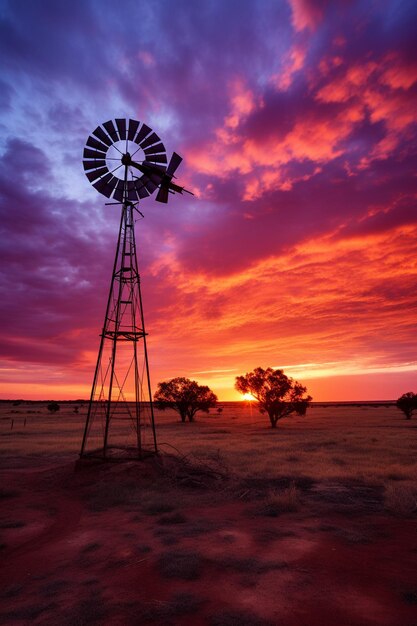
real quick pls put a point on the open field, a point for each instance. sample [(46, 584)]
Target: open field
[(233, 524)]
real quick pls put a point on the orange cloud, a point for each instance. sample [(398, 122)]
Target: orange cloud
[(292, 309)]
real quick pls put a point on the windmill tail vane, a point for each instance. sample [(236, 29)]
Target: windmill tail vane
[(162, 177)]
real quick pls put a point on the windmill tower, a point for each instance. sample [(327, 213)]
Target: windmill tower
[(125, 161)]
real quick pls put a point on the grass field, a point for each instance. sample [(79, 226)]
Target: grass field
[(233, 523)]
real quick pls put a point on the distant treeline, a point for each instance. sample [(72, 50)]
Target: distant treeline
[(234, 403)]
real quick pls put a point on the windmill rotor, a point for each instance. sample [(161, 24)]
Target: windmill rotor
[(107, 154), (117, 150)]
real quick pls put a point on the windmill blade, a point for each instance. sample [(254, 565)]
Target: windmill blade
[(174, 162), (111, 129), (93, 154), (140, 187), (91, 165), (100, 134), (119, 191), (94, 143), (149, 141), (97, 173), (143, 132), (133, 126), (159, 147), (151, 185), (162, 195), (132, 195), (156, 158), (121, 127), (105, 185)]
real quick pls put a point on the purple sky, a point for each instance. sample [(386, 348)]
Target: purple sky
[(296, 120)]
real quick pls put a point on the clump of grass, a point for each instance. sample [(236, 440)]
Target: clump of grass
[(169, 540), (179, 604), (8, 493), (157, 506), (183, 565), (339, 461), (352, 536), (12, 591), (251, 565), (237, 618), (109, 495), (87, 611), (12, 524), (285, 501), (91, 547), (410, 597), (397, 476), (400, 500), (175, 518)]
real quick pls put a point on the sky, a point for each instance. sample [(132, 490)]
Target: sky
[(296, 120)]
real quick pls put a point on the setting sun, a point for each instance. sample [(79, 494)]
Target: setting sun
[(248, 397)]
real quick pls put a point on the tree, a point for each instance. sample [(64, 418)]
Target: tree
[(184, 396), (53, 407), (276, 394), (407, 403)]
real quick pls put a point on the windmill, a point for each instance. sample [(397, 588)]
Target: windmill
[(126, 161)]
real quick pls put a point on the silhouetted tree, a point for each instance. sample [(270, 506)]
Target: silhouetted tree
[(184, 396), (53, 407), (407, 403), (276, 394)]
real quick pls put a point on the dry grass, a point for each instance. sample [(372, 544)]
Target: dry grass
[(237, 618), (401, 500), (370, 444), (162, 611), (285, 501), (182, 565)]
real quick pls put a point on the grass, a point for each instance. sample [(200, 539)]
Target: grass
[(182, 565), (237, 618), (249, 565), (285, 501), (153, 521), (401, 500), (175, 518), (181, 603)]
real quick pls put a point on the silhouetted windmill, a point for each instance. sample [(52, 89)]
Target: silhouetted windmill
[(126, 161)]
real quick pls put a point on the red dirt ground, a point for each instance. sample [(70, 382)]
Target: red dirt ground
[(82, 545)]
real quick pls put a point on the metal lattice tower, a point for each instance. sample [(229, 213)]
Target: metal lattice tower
[(120, 419)]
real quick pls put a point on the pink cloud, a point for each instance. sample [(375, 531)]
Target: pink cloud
[(307, 13)]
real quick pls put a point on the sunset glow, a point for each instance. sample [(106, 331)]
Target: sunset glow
[(296, 120)]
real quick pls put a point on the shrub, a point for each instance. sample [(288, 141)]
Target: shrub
[(407, 404), (285, 501), (53, 407)]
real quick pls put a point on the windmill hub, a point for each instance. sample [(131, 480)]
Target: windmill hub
[(126, 159)]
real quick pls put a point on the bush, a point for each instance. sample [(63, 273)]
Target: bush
[(53, 407), (407, 404)]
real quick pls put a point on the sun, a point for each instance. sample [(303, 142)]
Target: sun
[(248, 397)]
